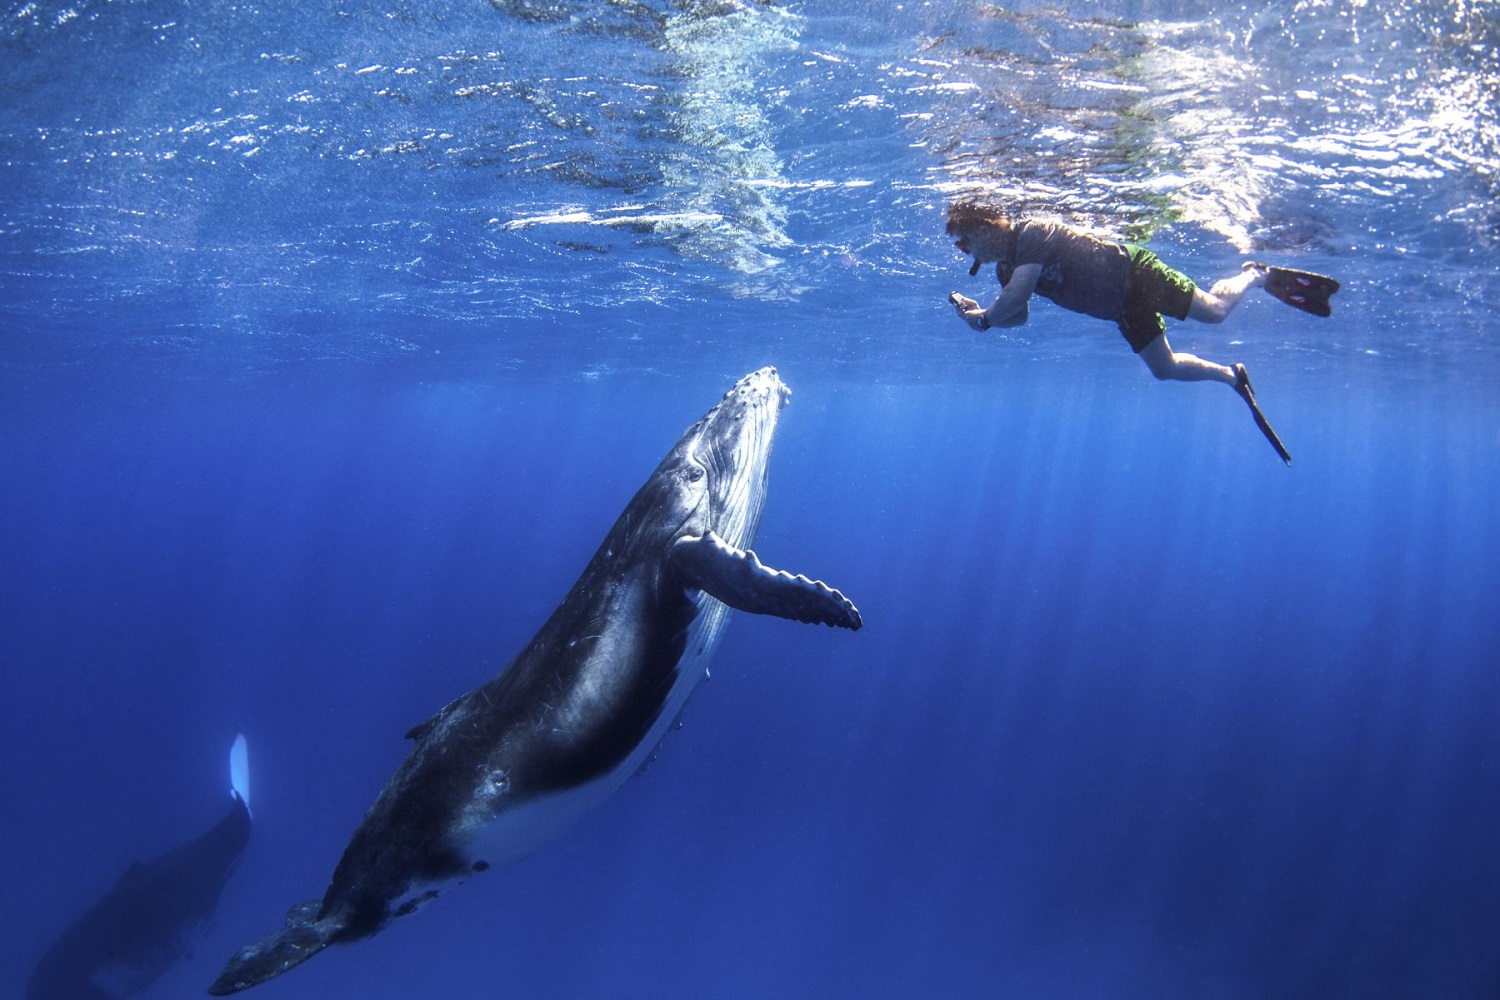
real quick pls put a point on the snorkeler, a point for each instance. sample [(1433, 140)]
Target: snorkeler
[(1121, 282)]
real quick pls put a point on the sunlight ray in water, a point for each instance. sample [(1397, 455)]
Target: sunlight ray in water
[(727, 163)]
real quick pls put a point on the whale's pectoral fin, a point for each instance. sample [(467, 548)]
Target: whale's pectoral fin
[(742, 581), (302, 938)]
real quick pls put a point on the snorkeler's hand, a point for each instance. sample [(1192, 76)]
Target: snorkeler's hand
[(969, 311)]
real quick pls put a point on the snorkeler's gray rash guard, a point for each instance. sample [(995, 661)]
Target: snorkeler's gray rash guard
[(1079, 272)]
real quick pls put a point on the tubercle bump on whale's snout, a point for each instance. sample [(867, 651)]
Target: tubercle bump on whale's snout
[(761, 385)]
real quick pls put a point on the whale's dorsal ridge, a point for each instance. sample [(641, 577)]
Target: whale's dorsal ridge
[(419, 732)]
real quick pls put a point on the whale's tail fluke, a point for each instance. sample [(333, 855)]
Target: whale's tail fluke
[(239, 769), (303, 936)]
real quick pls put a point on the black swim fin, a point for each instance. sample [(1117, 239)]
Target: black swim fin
[(1247, 393), (1302, 289)]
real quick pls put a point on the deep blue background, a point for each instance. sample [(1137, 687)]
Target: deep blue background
[(1137, 711)]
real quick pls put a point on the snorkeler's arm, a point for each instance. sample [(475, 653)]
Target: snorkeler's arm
[(1010, 308), (1013, 305)]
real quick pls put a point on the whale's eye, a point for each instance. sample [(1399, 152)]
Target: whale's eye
[(694, 472)]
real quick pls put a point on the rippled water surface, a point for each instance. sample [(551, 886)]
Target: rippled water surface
[(464, 172)]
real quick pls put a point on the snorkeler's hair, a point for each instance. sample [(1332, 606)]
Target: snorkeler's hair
[(963, 214)]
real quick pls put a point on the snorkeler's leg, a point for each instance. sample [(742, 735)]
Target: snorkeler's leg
[(1168, 364), (1213, 305)]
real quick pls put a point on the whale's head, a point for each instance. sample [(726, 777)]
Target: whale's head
[(714, 479)]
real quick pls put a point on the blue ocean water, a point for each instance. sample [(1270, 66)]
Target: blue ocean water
[(334, 338)]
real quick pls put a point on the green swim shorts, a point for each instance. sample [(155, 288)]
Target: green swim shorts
[(1152, 290)]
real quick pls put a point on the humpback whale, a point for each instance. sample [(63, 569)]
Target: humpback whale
[(581, 707), (154, 913)]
